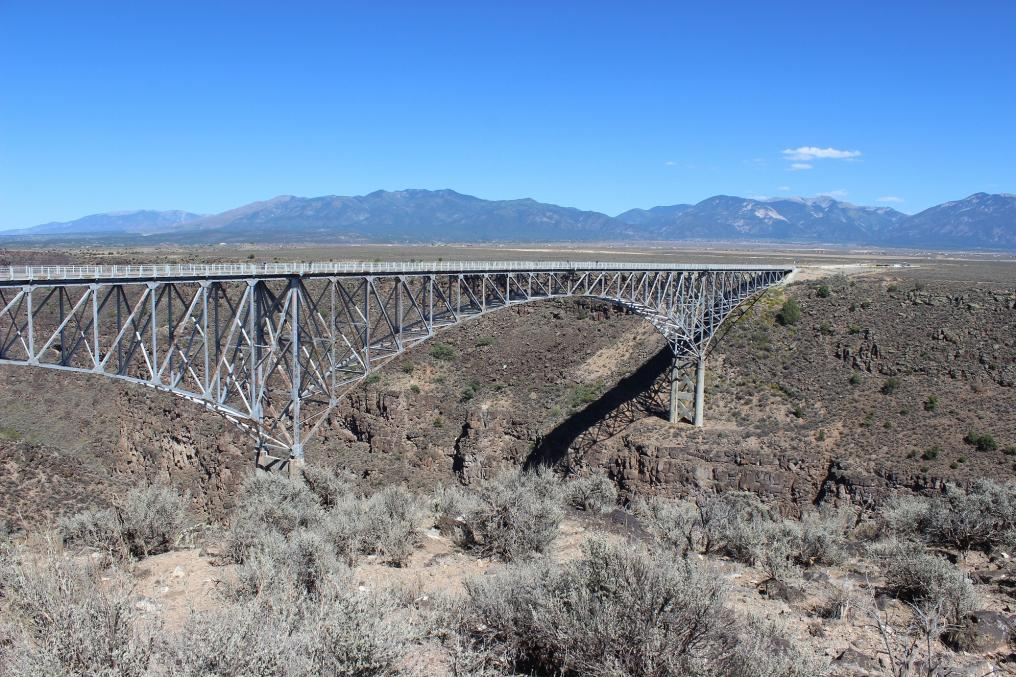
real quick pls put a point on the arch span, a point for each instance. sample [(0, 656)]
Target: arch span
[(274, 347)]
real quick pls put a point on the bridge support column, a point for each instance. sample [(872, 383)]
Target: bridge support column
[(682, 395), (700, 389), (687, 389)]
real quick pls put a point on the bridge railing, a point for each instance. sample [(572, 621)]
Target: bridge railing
[(256, 270)]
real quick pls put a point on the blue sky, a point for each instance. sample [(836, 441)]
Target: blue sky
[(205, 106)]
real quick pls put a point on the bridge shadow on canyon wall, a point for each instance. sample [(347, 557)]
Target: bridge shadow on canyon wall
[(643, 393)]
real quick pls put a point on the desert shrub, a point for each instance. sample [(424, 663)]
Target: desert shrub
[(451, 502), (822, 537), (238, 639), (977, 517), (824, 292), (763, 650), (837, 603), (593, 493), (772, 546), (310, 561), (450, 507), (345, 632), (981, 441), (442, 351), (789, 313), (91, 528), (145, 522), (328, 485), (584, 393), (339, 631), (391, 519), (904, 516), (151, 519), (931, 404), (927, 581), (890, 385), (264, 567), (345, 527), (66, 623), (675, 524), (517, 516), (728, 522), (270, 502), (617, 611)]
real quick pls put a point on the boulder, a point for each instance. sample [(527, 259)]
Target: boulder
[(854, 662), (774, 589), (981, 632)]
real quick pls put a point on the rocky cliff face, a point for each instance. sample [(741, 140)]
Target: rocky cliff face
[(873, 391)]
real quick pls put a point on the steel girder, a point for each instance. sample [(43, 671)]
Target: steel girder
[(275, 354)]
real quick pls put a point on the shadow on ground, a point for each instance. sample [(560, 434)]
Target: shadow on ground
[(637, 396)]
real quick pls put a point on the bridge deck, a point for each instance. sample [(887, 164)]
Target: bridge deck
[(13, 275)]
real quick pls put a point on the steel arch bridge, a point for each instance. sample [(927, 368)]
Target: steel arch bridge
[(274, 347)]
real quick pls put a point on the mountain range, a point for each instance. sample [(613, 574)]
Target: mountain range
[(981, 221)]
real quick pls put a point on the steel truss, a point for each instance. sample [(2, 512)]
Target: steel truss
[(275, 352)]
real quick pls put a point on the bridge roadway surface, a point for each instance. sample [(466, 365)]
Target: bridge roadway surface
[(223, 271), (273, 347)]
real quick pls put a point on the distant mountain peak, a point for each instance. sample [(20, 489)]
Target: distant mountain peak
[(423, 215)]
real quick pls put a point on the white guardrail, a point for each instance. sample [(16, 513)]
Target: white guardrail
[(256, 270)]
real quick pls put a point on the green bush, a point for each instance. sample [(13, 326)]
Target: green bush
[(890, 385), (584, 393), (442, 351), (484, 341), (931, 404), (789, 313), (824, 292), (982, 441)]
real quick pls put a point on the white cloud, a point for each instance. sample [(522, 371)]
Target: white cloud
[(890, 198), (809, 153), (784, 189), (835, 194), (798, 166), (670, 163)]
